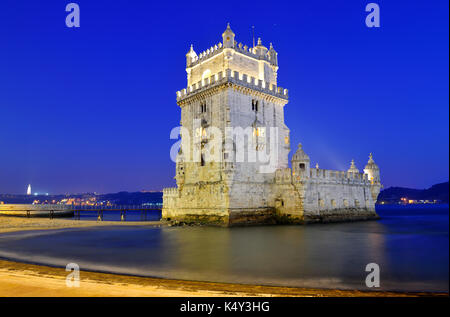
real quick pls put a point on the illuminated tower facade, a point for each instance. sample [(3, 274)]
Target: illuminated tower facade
[(233, 89)]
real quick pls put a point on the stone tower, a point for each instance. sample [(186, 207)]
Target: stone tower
[(231, 91), (232, 166)]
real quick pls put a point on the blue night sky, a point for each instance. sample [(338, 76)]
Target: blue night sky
[(91, 108)]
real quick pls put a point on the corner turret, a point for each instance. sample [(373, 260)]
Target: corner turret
[(353, 168), (228, 37), (260, 49), (191, 56), (372, 170), (300, 162), (273, 56), (373, 174)]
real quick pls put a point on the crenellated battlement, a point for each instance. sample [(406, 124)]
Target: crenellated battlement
[(251, 52), (218, 48), (234, 77), (210, 52), (170, 191), (286, 175)]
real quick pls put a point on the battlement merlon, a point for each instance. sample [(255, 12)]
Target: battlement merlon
[(170, 191), (236, 78), (252, 52), (256, 61), (287, 175)]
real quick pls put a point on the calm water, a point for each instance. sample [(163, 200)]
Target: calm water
[(411, 245)]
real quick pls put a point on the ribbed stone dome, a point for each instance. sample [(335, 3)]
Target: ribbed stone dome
[(371, 164)]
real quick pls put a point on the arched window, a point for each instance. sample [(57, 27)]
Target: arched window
[(206, 74), (302, 166)]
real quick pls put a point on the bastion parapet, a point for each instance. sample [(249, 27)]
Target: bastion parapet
[(233, 77)]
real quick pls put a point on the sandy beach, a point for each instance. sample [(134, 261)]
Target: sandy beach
[(20, 279)]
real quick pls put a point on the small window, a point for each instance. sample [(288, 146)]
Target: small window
[(333, 203), (321, 203), (203, 107), (302, 166), (255, 105)]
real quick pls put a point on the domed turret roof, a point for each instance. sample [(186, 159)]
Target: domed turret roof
[(191, 51), (371, 164), (353, 168), (300, 155), (228, 31), (260, 49)]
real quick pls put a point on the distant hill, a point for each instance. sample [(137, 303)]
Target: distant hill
[(133, 198), (436, 192)]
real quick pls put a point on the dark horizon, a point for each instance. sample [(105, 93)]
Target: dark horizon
[(90, 109)]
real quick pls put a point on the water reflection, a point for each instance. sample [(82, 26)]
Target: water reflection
[(412, 252)]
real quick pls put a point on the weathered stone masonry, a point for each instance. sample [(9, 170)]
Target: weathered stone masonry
[(232, 86)]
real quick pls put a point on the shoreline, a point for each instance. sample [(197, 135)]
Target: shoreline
[(30, 280), (19, 279)]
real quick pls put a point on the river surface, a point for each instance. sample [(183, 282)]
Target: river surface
[(409, 243)]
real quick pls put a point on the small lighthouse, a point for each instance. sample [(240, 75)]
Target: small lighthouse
[(29, 189)]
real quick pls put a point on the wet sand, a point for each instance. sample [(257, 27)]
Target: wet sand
[(20, 279), (25, 280)]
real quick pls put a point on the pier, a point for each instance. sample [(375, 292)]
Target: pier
[(122, 209), (68, 211)]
